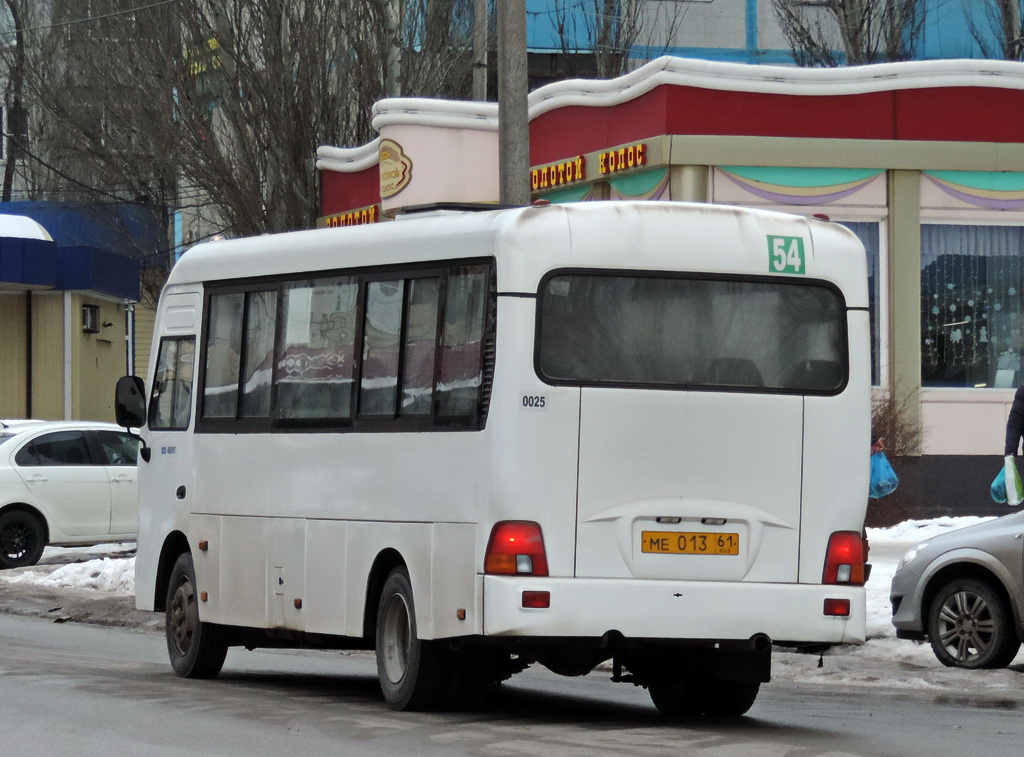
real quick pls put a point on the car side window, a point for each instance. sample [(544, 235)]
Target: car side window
[(118, 447), (58, 448)]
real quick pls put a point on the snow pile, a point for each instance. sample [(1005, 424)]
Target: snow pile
[(105, 574), (110, 574)]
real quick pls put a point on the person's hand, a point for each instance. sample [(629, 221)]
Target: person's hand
[(878, 445)]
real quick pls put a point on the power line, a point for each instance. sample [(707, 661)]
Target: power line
[(12, 140), (90, 19)]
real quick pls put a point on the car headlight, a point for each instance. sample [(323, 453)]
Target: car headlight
[(910, 554)]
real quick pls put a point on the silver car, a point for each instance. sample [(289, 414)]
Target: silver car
[(963, 591), (64, 483)]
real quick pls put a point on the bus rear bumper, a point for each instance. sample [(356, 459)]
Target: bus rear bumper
[(654, 609)]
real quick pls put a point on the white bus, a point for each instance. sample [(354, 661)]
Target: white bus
[(472, 441)]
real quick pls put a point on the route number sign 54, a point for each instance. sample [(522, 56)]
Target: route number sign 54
[(786, 255)]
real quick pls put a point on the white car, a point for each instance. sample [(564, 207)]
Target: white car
[(64, 483)]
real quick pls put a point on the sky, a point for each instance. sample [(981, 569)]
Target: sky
[(883, 660)]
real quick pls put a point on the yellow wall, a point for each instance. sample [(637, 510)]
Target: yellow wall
[(145, 322), (96, 360), (48, 355), (12, 354), (99, 360)]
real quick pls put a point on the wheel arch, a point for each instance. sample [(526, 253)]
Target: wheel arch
[(385, 562), (174, 545), (967, 569), (30, 510)]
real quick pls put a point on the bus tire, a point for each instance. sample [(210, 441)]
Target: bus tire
[(711, 696), (195, 648), (22, 539), (411, 671)]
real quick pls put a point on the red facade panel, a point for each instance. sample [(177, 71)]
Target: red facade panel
[(961, 114), (341, 192), (692, 110), (577, 130)]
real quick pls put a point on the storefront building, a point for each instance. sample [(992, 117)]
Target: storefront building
[(66, 315), (923, 160)]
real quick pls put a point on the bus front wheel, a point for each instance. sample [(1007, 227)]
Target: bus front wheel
[(194, 647), (411, 673)]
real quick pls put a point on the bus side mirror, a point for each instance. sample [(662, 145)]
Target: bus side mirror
[(130, 402), (130, 408)]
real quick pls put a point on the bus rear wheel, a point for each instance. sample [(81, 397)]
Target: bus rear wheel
[(411, 672), (194, 647), (691, 696)]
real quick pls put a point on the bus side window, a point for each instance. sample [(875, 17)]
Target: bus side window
[(238, 367), (419, 348), (223, 351), (458, 390), (170, 404), (316, 356), (261, 318), (382, 328)]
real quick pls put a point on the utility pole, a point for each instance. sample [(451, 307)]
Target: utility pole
[(393, 19), (480, 50), (15, 114), (513, 118)]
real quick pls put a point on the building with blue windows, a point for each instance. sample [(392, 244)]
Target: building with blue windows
[(737, 31)]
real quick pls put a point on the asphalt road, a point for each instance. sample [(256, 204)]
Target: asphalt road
[(94, 690)]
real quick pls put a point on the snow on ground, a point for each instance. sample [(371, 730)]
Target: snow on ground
[(106, 573), (884, 661)]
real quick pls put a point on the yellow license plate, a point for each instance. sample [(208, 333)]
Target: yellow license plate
[(689, 543)]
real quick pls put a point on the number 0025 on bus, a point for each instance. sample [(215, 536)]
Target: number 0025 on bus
[(689, 543)]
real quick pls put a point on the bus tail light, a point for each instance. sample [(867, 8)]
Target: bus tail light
[(844, 559), (516, 548)]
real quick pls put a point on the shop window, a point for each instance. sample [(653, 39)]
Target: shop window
[(971, 305)]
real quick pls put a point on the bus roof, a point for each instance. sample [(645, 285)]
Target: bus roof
[(527, 242)]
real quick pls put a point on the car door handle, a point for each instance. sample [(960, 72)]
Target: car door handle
[(121, 479), (37, 479)]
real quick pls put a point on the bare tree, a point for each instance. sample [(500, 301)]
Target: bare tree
[(850, 32), (1001, 35), (611, 31), (217, 106)]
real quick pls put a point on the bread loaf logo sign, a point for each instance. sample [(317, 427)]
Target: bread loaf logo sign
[(395, 168)]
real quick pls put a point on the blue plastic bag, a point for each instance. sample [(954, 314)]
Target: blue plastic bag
[(999, 486), (883, 478), (1010, 495)]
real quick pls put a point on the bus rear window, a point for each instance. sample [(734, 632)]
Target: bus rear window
[(679, 332)]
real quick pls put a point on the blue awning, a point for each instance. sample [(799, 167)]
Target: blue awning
[(90, 269), (27, 263)]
